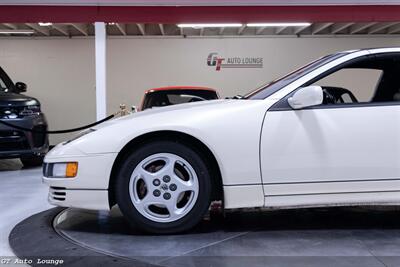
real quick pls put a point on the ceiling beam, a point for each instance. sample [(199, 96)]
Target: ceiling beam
[(61, 28), (241, 29), (394, 29), (360, 27), (142, 28), (319, 27), (121, 27), (260, 30), (43, 30), (161, 26), (380, 27), (337, 27), (10, 25), (300, 29), (280, 29), (81, 27)]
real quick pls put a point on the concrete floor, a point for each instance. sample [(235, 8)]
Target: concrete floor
[(22, 194)]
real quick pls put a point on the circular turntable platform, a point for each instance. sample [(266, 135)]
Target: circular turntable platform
[(311, 237)]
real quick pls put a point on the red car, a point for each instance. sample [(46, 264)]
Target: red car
[(172, 95)]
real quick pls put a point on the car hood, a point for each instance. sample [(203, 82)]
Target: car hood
[(187, 107), (207, 121), (16, 100)]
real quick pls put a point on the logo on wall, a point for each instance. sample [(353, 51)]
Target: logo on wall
[(214, 60)]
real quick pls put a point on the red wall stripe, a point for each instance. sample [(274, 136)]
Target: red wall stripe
[(163, 14)]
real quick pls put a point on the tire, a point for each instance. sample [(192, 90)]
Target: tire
[(33, 161), (135, 188)]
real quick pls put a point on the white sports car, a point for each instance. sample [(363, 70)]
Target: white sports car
[(296, 142)]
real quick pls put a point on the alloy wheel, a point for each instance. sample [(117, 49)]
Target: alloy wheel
[(163, 187)]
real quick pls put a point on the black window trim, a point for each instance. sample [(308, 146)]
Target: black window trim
[(340, 106)]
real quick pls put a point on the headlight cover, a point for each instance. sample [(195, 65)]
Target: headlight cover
[(60, 170)]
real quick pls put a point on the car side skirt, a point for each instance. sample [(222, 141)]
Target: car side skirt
[(331, 200), (333, 193), (243, 196)]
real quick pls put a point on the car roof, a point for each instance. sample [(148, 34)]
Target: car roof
[(374, 50), (169, 88)]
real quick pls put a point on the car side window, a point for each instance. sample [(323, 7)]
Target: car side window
[(372, 79), (350, 85)]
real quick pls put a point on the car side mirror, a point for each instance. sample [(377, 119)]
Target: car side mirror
[(306, 97), (21, 87)]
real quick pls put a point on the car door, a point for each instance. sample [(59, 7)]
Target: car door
[(331, 154)]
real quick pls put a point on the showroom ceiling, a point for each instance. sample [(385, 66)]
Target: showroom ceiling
[(139, 29)]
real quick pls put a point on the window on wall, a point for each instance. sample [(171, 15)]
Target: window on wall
[(371, 79)]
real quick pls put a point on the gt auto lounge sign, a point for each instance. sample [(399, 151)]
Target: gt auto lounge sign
[(218, 62)]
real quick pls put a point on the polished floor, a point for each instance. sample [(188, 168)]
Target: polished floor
[(310, 237), (22, 194)]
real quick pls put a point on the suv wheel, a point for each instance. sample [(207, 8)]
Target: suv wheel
[(164, 187)]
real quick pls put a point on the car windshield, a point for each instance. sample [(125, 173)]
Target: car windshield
[(272, 87), (173, 97), (6, 84)]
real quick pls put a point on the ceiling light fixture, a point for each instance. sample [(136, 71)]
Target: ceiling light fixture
[(279, 24), (24, 32), (210, 25), (44, 24)]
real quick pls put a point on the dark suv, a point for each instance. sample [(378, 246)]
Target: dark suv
[(23, 111)]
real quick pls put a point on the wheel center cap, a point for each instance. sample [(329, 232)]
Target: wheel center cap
[(164, 187)]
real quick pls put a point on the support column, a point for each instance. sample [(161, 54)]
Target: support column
[(101, 96)]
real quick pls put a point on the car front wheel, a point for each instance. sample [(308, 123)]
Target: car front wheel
[(164, 187)]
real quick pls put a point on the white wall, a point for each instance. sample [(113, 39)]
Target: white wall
[(60, 72)]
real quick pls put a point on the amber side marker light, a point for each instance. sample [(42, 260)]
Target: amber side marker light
[(71, 170)]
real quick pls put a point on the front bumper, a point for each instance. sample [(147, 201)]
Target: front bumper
[(89, 189), (79, 198), (16, 143)]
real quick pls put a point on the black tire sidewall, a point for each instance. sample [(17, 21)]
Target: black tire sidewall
[(135, 217)]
